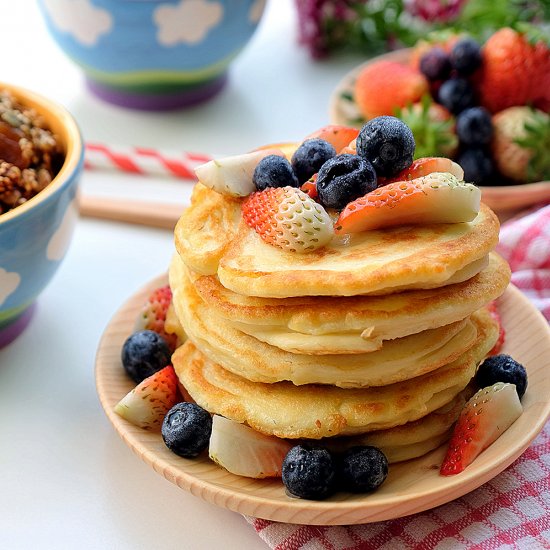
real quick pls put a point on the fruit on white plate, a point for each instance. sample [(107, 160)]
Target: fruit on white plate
[(244, 451), (233, 175)]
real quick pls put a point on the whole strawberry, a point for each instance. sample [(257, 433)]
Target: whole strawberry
[(521, 142), (515, 71), (433, 128), (153, 315), (384, 86), (288, 218)]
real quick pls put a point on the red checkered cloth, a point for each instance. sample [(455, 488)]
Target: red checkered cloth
[(512, 511)]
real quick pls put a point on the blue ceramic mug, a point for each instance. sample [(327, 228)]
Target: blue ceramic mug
[(153, 54), (34, 236)]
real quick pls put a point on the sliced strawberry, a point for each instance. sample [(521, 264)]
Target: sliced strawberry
[(337, 135), (244, 451), (435, 198), (147, 404), (153, 315), (310, 187), (485, 417), (288, 218), (493, 310), (424, 166)]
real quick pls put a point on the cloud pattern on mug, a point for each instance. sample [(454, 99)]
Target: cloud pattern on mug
[(187, 22)]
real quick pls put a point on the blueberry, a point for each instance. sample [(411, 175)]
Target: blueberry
[(435, 64), (474, 126), (477, 165), (274, 171), (362, 469), (466, 56), (186, 429), (456, 95), (144, 353), (343, 179), (309, 472), (310, 156), (387, 143), (502, 368)]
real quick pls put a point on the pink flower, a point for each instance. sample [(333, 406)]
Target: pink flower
[(440, 11)]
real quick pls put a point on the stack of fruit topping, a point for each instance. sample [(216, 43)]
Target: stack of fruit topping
[(485, 106), (267, 378)]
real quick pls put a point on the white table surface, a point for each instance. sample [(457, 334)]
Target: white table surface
[(66, 479)]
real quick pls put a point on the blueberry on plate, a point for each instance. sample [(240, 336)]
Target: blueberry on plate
[(362, 469), (456, 95), (309, 472), (435, 64), (343, 179), (186, 429), (310, 156), (466, 56), (274, 171), (502, 368), (387, 143), (144, 353), (477, 165), (474, 126)]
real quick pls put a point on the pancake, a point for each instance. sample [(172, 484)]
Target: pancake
[(210, 240), (206, 228), (412, 439), (315, 411), (375, 318), (254, 360)]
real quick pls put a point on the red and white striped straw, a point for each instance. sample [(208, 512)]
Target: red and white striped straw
[(142, 160)]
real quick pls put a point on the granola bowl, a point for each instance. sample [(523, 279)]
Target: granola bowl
[(153, 54), (42, 159)]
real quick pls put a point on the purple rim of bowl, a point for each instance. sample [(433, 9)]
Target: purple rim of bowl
[(151, 101), (10, 332)]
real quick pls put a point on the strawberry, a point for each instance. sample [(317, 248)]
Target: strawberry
[(424, 166), (433, 128), (244, 451), (485, 417), (337, 135), (515, 71), (435, 198), (384, 86), (232, 176), (493, 310), (153, 315), (288, 218), (147, 404), (521, 141), (310, 187)]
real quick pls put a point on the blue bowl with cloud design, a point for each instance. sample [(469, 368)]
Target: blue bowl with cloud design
[(34, 236), (153, 54)]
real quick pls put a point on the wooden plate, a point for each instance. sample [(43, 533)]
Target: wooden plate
[(410, 487), (342, 110)]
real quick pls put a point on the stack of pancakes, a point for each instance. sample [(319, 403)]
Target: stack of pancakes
[(373, 339)]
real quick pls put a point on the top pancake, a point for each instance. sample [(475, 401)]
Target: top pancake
[(212, 239)]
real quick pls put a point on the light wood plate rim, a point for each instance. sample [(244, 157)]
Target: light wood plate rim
[(267, 499), (498, 197)]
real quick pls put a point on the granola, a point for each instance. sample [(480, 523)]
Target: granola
[(30, 154)]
